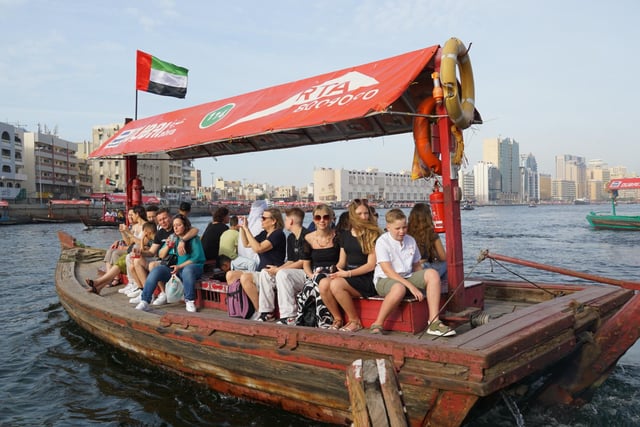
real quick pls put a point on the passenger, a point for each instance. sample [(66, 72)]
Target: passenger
[(343, 222), (225, 263), (137, 219), (119, 249), (150, 230), (432, 253), (271, 247), (152, 211), (184, 209), (399, 273), (229, 240), (288, 279), (354, 278), (148, 257), (211, 235), (320, 257), (188, 268), (247, 259)]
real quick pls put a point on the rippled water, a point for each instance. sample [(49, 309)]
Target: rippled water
[(52, 373)]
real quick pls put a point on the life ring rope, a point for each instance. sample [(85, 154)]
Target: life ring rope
[(460, 106)]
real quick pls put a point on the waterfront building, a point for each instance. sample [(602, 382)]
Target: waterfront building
[(598, 176), (572, 168), (13, 178), (545, 186), (466, 182), (53, 164), (504, 153), (342, 185), (530, 179), (487, 183), (563, 191)]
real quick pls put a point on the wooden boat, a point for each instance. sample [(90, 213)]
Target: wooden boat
[(62, 215), (466, 206), (554, 341), (98, 223), (6, 219), (613, 221)]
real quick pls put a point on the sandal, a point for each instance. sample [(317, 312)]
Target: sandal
[(336, 325), (92, 287), (376, 329), (115, 282), (351, 326)]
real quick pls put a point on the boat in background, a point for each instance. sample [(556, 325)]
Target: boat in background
[(63, 215), (466, 206), (581, 201), (533, 205), (613, 221), (6, 219)]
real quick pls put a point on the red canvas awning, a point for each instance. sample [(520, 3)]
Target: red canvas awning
[(122, 198), (71, 202), (4, 204), (624, 184), (364, 101)]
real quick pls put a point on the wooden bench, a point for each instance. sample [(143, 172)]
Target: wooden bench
[(412, 316)]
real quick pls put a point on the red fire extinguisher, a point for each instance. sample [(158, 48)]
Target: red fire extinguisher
[(136, 191), (437, 208)]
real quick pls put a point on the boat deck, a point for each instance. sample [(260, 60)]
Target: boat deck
[(528, 330)]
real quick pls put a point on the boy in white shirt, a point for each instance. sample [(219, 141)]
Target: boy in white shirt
[(398, 270)]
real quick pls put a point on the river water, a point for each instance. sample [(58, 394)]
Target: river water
[(52, 373)]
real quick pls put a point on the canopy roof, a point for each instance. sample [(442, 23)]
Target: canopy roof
[(364, 101), (624, 184)]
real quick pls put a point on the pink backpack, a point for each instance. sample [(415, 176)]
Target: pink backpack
[(238, 303)]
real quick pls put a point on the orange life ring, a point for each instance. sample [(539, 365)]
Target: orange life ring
[(422, 136)]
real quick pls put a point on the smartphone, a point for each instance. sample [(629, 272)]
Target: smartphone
[(241, 221)]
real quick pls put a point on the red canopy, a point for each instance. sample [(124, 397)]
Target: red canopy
[(122, 198), (624, 184), (4, 204), (363, 101), (71, 202)]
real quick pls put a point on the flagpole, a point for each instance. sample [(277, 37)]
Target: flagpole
[(136, 112)]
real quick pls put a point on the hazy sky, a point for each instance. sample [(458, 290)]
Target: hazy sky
[(557, 76)]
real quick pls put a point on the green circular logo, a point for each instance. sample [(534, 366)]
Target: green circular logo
[(215, 116)]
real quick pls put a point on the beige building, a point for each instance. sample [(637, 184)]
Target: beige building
[(342, 185), (172, 180)]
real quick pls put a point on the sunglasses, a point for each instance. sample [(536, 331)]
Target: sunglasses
[(322, 217), (266, 217)]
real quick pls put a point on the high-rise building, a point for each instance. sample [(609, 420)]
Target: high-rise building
[(597, 178), (487, 183), (574, 169), (504, 153), (530, 178)]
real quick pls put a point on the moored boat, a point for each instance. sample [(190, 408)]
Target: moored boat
[(613, 221), (98, 222), (556, 341)]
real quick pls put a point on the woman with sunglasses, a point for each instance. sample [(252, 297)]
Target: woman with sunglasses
[(320, 256), (354, 278), (270, 245)]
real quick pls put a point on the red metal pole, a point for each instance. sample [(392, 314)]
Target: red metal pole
[(622, 283), (452, 222)]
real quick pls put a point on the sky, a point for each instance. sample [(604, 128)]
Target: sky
[(556, 76)]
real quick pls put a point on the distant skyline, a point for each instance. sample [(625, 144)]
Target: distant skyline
[(557, 77)]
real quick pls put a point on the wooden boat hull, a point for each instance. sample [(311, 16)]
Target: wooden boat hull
[(302, 370), (614, 222), (99, 223)]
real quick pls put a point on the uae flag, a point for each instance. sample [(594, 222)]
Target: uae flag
[(159, 77)]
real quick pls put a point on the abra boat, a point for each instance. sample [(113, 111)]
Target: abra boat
[(98, 222), (613, 221), (556, 341), (68, 211)]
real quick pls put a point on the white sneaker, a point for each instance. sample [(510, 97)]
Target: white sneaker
[(143, 305), (135, 293), (127, 288), (161, 300), (191, 306), (135, 300)]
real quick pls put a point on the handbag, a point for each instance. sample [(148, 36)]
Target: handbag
[(238, 303), (174, 289), (169, 260)]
